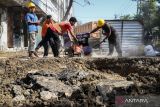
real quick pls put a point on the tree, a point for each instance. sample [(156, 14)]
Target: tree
[(70, 6), (147, 14), (68, 10), (157, 20)]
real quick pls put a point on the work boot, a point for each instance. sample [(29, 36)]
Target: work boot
[(35, 53), (109, 54), (120, 55), (36, 49), (45, 56), (30, 54)]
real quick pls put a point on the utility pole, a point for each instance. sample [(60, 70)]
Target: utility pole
[(139, 5)]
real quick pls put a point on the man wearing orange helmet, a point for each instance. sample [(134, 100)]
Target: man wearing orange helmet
[(112, 36), (32, 24)]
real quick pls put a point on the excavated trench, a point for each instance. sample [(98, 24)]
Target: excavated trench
[(76, 82)]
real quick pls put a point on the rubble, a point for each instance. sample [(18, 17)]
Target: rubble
[(19, 98), (17, 90), (46, 95), (76, 82)]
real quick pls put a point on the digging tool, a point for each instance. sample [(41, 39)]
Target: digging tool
[(100, 42)]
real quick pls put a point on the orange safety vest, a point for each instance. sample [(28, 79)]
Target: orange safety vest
[(62, 27), (65, 26), (57, 27), (45, 26)]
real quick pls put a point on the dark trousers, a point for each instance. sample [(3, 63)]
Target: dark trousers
[(115, 43), (46, 47), (53, 40)]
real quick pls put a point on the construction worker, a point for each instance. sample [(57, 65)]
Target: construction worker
[(55, 30), (47, 23), (112, 36), (32, 22)]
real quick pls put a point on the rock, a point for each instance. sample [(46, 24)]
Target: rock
[(103, 88), (63, 67), (45, 73), (2, 72), (68, 94), (27, 101), (99, 100), (69, 74), (72, 75), (109, 86), (78, 94), (17, 90), (32, 71), (66, 75), (45, 103), (140, 62), (73, 82), (53, 85), (27, 92), (19, 98), (46, 95), (81, 75)]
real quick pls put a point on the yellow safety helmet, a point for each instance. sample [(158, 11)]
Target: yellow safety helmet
[(30, 4), (101, 22)]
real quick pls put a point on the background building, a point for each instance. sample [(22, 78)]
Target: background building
[(13, 30)]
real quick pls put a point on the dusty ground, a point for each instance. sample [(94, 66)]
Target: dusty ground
[(89, 82), (12, 54)]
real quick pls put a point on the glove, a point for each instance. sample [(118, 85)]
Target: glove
[(74, 41)]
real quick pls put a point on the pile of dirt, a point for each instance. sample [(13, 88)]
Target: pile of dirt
[(75, 82)]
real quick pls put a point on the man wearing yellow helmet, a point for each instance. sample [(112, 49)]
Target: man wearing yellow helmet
[(32, 23), (111, 34)]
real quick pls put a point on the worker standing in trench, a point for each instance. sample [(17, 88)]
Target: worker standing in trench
[(111, 34), (53, 32), (32, 23)]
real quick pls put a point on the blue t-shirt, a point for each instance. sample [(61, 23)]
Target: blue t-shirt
[(31, 17)]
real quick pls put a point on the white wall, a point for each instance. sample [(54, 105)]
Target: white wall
[(48, 7), (3, 39), (56, 8)]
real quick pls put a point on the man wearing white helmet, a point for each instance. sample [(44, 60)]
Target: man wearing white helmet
[(32, 23), (112, 36)]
